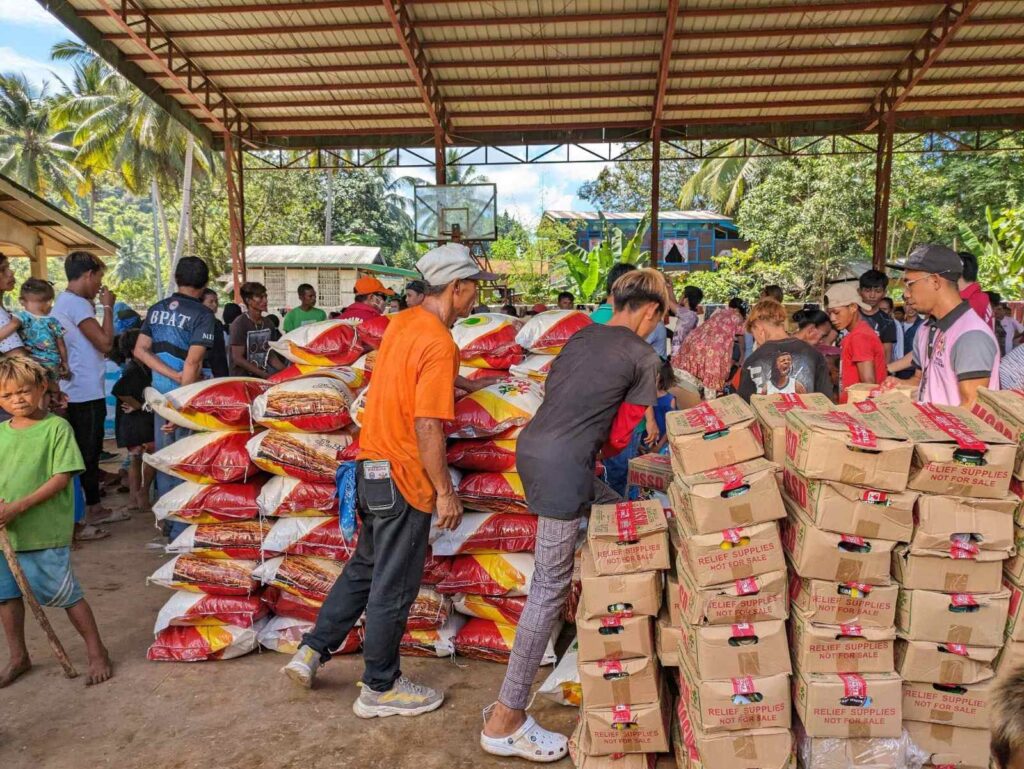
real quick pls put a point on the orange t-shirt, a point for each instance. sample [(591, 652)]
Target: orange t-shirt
[(413, 376)]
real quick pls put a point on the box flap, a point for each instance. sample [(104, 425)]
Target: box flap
[(709, 417)]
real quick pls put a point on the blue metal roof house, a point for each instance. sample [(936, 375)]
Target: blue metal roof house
[(687, 240)]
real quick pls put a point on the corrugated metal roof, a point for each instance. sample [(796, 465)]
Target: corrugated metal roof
[(334, 256), (615, 216)]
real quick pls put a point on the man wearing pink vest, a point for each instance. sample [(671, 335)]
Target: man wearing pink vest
[(956, 351)]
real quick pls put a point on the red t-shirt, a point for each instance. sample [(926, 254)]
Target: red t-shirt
[(980, 303), (860, 344)]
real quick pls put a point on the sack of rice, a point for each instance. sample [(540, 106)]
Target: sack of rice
[(191, 502), (471, 373), (497, 608), (319, 537), (488, 340), (358, 408), (216, 576), (363, 370), (284, 634), (547, 332), (285, 604), (346, 374), (206, 458), (563, 685), (213, 404), (495, 574), (435, 569), (429, 611), (495, 409), (326, 343), (300, 575), (370, 332), (483, 454), (487, 533), (482, 639), (200, 644), (313, 457), (536, 366), (195, 609), (236, 539), (284, 497), (493, 492), (312, 404), (432, 643)]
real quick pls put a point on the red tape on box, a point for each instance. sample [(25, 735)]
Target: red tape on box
[(790, 401), (744, 685), (859, 433), (952, 426), (854, 685), (705, 416), (625, 521), (730, 477), (747, 586)]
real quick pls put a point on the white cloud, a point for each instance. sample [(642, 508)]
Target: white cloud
[(36, 71), (26, 13)]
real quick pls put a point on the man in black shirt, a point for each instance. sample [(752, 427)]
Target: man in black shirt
[(217, 356), (872, 287)]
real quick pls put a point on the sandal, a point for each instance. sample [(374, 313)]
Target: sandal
[(90, 533), (530, 741), (114, 516)]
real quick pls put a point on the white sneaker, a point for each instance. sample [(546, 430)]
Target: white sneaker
[(303, 666), (403, 699)]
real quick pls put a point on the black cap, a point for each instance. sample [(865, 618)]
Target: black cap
[(419, 286), (933, 258)]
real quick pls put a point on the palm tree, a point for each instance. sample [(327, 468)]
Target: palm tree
[(132, 261), (458, 174), (722, 181), (32, 152)]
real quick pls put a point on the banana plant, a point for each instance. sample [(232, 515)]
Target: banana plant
[(1000, 251), (588, 270)]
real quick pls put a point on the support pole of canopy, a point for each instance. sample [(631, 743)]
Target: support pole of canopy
[(440, 162), (236, 210), (883, 178), (655, 192)]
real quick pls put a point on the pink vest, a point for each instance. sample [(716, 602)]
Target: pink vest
[(939, 383)]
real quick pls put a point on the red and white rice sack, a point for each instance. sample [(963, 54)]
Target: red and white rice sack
[(370, 332), (283, 497), (236, 539), (483, 454), (284, 634), (346, 374), (310, 404), (215, 576), (285, 604), (200, 644), (319, 537), (313, 457), (488, 340), (494, 574), (493, 492), (536, 366), (547, 332), (326, 343), (191, 502), (471, 373), (429, 610), (432, 643), (495, 409), (207, 458), (195, 609), (213, 404), (363, 370), (563, 685), (508, 609), (301, 575), (482, 639), (479, 533), (435, 568)]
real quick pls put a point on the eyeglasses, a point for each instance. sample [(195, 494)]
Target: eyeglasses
[(910, 283)]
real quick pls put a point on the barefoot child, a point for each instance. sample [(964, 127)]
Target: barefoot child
[(37, 509), (42, 333), (132, 426)]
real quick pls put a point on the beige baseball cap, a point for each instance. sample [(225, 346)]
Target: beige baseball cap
[(449, 262), (845, 293)]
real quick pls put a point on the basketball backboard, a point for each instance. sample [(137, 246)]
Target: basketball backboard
[(466, 212)]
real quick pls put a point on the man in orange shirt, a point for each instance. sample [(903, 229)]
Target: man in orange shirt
[(402, 477)]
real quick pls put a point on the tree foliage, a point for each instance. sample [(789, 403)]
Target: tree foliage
[(588, 269), (626, 185)]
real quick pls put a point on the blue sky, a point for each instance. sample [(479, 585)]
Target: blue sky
[(27, 33)]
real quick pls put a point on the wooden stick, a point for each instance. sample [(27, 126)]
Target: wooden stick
[(37, 610)]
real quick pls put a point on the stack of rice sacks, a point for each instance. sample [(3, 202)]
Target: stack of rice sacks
[(215, 611), (731, 587), (488, 559)]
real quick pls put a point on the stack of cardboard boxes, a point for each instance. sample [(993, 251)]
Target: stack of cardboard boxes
[(845, 480), (729, 623), (953, 605), (625, 703)]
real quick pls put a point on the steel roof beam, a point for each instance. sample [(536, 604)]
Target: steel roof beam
[(955, 14), (665, 62)]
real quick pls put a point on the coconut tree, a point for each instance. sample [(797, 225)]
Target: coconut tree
[(132, 261), (722, 181), (459, 174)]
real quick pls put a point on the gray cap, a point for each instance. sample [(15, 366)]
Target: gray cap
[(449, 262), (933, 258)]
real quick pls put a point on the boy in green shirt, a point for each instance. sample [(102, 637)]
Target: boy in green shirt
[(37, 509), (306, 312)]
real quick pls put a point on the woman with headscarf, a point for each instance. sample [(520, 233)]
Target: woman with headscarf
[(708, 352)]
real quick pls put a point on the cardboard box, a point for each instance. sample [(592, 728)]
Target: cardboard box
[(771, 410), (1017, 491), (628, 537), (963, 523), (667, 638), (672, 599), (848, 509), (944, 663), (753, 599), (732, 651), (605, 595), (962, 618), (1014, 630), (613, 638), (732, 554), (861, 391), (736, 704), (951, 745), (713, 434), (938, 570), (1010, 658), (1003, 411), (818, 554), (607, 683), (969, 706), (752, 749), (940, 434), (580, 753), (849, 704), (852, 753), (841, 648), (628, 728), (850, 603), (848, 445), (650, 472), (1014, 566), (739, 495)]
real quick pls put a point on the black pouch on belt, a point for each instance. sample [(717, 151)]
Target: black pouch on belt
[(378, 495)]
